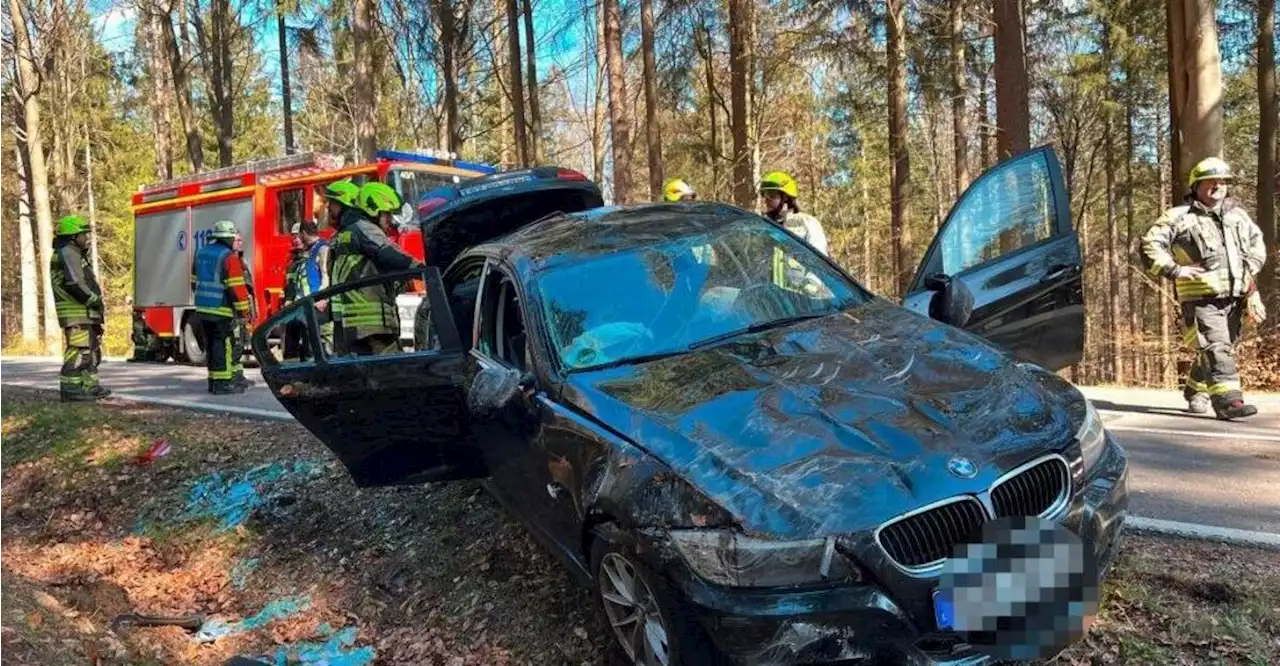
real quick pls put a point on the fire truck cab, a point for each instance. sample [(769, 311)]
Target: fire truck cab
[(264, 198)]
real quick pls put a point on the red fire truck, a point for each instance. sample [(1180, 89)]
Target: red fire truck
[(264, 199)]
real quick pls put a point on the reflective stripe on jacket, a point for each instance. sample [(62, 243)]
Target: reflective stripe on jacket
[(217, 277), (74, 285), (352, 255), (1224, 242)]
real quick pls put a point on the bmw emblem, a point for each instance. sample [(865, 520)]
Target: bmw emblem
[(962, 467)]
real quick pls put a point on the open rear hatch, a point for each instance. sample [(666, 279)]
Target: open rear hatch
[(455, 217)]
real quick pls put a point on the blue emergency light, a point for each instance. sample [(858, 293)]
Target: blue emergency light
[(433, 157)]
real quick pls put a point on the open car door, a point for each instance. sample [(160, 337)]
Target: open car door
[(396, 418), (1010, 241)]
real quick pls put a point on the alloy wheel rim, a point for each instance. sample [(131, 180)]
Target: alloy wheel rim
[(632, 611)]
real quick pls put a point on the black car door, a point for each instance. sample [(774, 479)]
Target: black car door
[(396, 418), (1010, 240)]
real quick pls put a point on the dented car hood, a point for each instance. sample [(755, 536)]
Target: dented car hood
[(834, 425)]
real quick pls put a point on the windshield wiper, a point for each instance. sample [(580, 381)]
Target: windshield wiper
[(629, 360), (755, 328)]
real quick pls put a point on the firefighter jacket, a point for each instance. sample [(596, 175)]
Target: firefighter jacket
[(218, 279), (1224, 242), (787, 272), (360, 250), (76, 294), (308, 272)]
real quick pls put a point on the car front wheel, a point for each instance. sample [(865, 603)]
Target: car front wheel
[(650, 622)]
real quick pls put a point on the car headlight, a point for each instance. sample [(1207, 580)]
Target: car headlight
[(1092, 436), (736, 560)]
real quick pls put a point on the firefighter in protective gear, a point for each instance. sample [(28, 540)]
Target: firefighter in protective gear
[(307, 274), (677, 190), (222, 303), (341, 210), (241, 337), (780, 192), (78, 302), (366, 320), (1211, 250)]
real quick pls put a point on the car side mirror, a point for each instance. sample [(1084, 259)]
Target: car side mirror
[(952, 302), (493, 388)]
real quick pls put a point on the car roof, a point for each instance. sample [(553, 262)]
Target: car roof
[(569, 237)]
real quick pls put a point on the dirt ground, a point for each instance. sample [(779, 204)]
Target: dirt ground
[(254, 525)]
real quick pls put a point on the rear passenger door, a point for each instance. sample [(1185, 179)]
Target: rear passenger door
[(1009, 239)]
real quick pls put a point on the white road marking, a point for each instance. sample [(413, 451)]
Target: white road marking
[(251, 412), (1251, 436), (1205, 532)]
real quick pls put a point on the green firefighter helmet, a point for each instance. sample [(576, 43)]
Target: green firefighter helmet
[(780, 181), (72, 225), (343, 191), (223, 229), (377, 198), (1209, 167)]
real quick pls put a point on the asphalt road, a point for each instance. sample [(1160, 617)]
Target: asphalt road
[(1183, 467)]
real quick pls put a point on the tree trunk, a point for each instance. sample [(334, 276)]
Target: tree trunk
[(1267, 106), (1136, 319), (1013, 114), (868, 273), (743, 192), (535, 113), (182, 91), (986, 158), (1112, 274), (709, 67), (959, 117), (1164, 193), (1195, 81), (93, 206), (652, 129), (365, 105), (619, 112), (29, 87), (448, 48), (598, 92), (215, 48), (286, 92), (30, 272), (515, 74), (161, 105), (898, 146)]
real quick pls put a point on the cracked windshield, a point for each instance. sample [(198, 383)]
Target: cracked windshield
[(693, 290)]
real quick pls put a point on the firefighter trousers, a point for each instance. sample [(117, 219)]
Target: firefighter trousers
[(1212, 328), (222, 352), (81, 354)]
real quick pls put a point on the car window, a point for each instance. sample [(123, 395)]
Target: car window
[(1009, 209), (502, 334), (664, 297)]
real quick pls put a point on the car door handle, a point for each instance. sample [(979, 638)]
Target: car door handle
[(1060, 271)]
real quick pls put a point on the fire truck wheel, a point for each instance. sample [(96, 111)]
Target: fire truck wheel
[(192, 342)]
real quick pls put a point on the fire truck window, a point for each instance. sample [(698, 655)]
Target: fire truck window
[(291, 207), (412, 185)]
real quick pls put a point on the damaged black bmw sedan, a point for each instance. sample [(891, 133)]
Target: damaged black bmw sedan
[(747, 455)]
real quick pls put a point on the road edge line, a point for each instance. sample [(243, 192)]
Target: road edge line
[(1229, 535), (235, 410)]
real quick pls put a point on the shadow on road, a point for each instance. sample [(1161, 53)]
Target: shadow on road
[(1146, 409)]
